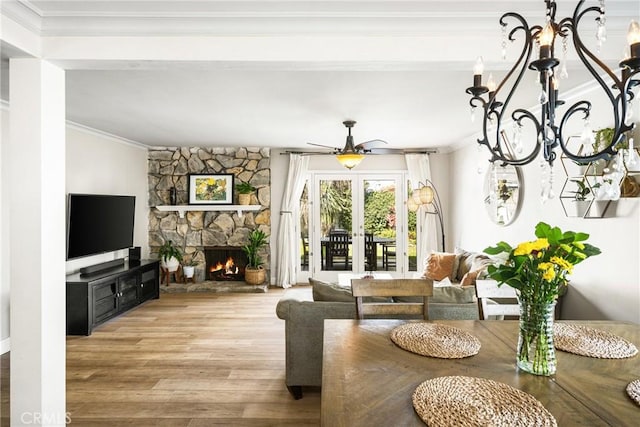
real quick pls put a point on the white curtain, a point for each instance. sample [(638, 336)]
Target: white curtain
[(288, 258), (419, 171)]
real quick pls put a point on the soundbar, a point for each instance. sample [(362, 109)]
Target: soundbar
[(91, 269)]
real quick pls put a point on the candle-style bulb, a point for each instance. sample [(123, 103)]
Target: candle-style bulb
[(633, 38), (546, 35), (478, 67), (633, 35), (491, 84)]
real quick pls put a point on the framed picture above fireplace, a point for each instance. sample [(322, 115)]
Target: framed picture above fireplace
[(210, 189)]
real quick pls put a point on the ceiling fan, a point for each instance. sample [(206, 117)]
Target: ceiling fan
[(351, 155)]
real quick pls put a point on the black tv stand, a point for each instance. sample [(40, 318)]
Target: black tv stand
[(92, 269), (96, 298)]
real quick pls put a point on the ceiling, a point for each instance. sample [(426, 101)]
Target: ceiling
[(281, 73)]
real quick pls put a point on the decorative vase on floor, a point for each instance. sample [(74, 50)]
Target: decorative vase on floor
[(536, 352)]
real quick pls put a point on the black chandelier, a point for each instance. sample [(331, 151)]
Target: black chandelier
[(551, 128)]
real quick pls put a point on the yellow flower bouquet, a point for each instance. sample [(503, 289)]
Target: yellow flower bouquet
[(538, 270)]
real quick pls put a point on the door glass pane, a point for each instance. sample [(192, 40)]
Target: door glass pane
[(380, 225), (336, 224), (304, 229), (412, 236)]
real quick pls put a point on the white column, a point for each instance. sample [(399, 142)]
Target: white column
[(37, 242)]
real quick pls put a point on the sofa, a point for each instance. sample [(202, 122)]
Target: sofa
[(304, 310)]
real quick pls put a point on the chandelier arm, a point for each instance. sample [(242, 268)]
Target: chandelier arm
[(480, 100), (583, 107), (582, 51), (518, 116), (496, 109), (630, 83), (525, 54)]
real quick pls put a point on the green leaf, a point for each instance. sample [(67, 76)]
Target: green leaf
[(580, 237), (499, 248), (542, 230)]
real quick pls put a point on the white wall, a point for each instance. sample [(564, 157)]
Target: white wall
[(99, 164), (603, 287)]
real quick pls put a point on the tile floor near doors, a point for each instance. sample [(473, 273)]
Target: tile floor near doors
[(189, 359)]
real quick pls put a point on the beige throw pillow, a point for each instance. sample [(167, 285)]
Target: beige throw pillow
[(439, 265)]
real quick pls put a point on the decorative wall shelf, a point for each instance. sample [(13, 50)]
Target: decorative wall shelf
[(181, 209)]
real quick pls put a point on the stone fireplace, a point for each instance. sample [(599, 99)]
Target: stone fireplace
[(225, 263), (198, 232)]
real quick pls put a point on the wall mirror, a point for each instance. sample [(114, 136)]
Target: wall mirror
[(503, 191)]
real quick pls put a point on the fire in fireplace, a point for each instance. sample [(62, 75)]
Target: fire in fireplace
[(225, 263), (223, 271)]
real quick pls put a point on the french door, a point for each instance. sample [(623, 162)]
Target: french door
[(356, 224)]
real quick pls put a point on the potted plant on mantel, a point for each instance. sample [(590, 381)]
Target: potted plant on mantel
[(244, 190), (170, 256), (254, 273)]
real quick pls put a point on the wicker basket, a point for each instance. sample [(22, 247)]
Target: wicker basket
[(254, 276)]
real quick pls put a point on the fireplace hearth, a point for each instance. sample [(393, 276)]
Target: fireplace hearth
[(225, 263)]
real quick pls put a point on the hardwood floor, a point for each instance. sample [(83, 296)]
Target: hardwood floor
[(193, 360)]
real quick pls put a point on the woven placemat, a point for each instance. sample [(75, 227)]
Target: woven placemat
[(434, 340), (470, 402), (587, 341), (633, 390)]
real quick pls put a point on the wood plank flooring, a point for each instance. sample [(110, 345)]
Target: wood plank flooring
[(193, 360)]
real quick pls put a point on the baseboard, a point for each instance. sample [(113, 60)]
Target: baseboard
[(5, 345)]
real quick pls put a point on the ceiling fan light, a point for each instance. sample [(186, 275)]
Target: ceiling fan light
[(350, 160)]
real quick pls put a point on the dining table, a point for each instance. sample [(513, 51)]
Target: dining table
[(368, 380)]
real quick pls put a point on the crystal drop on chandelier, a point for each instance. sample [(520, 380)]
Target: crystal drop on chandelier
[(564, 74), (601, 32), (517, 138), (546, 184), (542, 99), (473, 114)]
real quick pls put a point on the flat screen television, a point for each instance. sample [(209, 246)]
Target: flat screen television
[(98, 223)]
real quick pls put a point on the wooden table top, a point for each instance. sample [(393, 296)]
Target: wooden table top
[(367, 380)]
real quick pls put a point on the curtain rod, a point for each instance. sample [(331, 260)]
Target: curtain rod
[(308, 153)]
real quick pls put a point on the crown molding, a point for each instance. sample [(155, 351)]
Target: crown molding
[(272, 17), (5, 106), (105, 135), (23, 13)]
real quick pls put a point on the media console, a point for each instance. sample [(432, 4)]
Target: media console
[(98, 297)]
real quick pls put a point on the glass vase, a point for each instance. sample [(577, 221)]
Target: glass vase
[(536, 353)]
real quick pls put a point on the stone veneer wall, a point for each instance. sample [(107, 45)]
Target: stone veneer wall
[(170, 167)]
